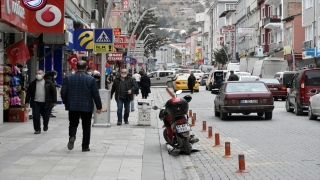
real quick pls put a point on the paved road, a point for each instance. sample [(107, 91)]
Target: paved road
[(286, 147)]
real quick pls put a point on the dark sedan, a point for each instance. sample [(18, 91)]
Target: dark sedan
[(203, 79), (243, 97), (278, 90)]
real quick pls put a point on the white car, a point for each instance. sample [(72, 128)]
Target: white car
[(314, 107)]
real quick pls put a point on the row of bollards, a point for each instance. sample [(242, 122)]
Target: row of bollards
[(241, 159)]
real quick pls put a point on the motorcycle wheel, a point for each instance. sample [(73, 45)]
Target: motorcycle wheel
[(186, 145), (165, 135)]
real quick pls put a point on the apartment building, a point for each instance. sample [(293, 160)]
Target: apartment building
[(204, 21)]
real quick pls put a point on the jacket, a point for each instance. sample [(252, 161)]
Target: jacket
[(145, 84), (191, 81), (233, 77), (50, 93), (116, 87), (50, 76), (80, 92)]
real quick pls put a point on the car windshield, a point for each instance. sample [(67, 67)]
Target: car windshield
[(184, 71), (273, 81), (182, 78), (246, 87)]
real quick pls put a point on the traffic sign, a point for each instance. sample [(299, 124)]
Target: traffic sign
[(127, 59), (103, 36), (103, 48)]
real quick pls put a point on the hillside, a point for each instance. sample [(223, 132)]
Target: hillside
[(176, 14)]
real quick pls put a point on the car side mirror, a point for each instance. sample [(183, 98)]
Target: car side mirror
[(215, 91), (155, 108)]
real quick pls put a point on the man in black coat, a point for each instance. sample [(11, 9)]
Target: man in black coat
[(79, 93), (191, 82), (233, 77), (50, 76), (42, 96), (145, 84)]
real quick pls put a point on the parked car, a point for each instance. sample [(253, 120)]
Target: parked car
[(314, 108), (284, 77), (203, 79), (278, 90), (249, 78), (181, 83), (237, 73), (198, 75), (302, 86), (215, 79), (162, 78), (243, 97)]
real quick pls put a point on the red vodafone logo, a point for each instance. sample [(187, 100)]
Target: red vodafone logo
[(34, 5), (49, 16)]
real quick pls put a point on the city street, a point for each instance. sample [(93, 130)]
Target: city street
[(286, 147)]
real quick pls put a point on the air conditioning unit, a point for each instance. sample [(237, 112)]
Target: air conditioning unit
[(94, 15)]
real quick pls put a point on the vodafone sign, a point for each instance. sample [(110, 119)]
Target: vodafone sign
[(49, 19)]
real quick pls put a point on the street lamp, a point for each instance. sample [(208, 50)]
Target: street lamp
[(152, 25), (135, 28), (134, 50)]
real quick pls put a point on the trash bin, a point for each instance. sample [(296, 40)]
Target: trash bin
[(144, 112)]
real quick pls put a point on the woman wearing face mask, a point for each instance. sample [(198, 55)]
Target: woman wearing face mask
[(51, 76), (89, 71)]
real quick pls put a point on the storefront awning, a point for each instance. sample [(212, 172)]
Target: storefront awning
[(70, 14)]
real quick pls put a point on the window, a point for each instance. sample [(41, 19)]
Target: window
[(319, 24), (271, 37), (270, 13), (308, 3), (262, 38), (262, 13), (231, 6), (309, 34), (280, 10)]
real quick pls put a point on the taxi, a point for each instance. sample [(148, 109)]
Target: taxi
[(181, 83)]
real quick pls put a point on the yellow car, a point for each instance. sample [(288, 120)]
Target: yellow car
[(181, 83)]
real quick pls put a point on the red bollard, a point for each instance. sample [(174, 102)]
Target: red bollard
[(195, 116), (204, 126), (242, 165), (227, 150), (190, 113), (193, 121), (217, 140), (209, 132)]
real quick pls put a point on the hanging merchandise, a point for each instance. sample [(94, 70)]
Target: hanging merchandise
[(12, 90)]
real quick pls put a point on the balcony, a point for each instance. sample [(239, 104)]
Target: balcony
[(275, 46), (307, 44), (272, 22), (275, 2)]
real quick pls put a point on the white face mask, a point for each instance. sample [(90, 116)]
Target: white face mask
[(123, 75), (39, 76), (89, 73), (55, 76), (72, 72)]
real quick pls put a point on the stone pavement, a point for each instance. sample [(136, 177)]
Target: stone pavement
[(119, 152)]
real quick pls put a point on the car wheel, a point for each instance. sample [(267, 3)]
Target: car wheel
[(288, 108), (260, 114), (310, 115), (268, 115), (216, 113), (169, 84), (275, 99), (283, 98), (297, 110), (223, 116)]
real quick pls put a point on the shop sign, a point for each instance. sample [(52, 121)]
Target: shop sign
[(34, 5), (123, 41), (125, 5), (49, 19), (83, 40), (115, 56)]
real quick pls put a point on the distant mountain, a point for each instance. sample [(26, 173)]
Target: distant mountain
[(176, 14)]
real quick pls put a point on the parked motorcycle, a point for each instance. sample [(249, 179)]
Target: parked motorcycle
[(177, 132)]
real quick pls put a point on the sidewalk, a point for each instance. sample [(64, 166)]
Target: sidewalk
[(121, 152)]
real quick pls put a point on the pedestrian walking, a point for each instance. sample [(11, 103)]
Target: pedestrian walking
[(191, 82), (79, 93), (123, 87), (145, 86), (42, 97), (233, 77), (137, 77), (136, 93), (51, 76)]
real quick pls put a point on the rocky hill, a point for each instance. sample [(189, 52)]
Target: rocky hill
[(176, 14)]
